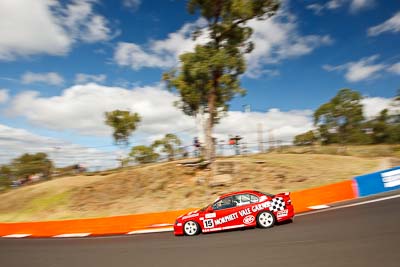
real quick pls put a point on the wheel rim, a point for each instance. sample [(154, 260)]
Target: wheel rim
[(190, 228), (266, 219)]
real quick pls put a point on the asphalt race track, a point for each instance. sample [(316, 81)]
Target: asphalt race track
[(365, 235)]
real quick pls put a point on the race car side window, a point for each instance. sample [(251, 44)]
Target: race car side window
[(242, 199), (245, 199), (224, 203), (253, 199)]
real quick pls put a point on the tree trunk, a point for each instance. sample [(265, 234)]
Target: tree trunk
[(210, 148)]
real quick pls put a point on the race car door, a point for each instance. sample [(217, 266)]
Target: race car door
[(226, 215), (243, 203)]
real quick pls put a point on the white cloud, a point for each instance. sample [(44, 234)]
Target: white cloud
[(372, 106), (390, 25), (47, 27), (181, 41), (97, 30), (284, 125), (275, 39), (84, 78), (395, 68), (77, 110), (317, 8), (357, 5), (3, 96), (84, 24), (51, 78), (132, 4), (28, 28), (14, 142), (354, 5), (364, 69), (334, 4), (132, 55), (158, 53), (278, 39)]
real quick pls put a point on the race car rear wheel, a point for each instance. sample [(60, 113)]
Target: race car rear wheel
[(191, 228), (265, 219)]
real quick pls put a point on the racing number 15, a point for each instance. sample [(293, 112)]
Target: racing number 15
[(208, 223)]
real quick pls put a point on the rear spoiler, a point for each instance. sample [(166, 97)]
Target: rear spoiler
[(283, 194)]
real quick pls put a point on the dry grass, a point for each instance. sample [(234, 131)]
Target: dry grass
[(39, 201), (166, 186), (368, 151)]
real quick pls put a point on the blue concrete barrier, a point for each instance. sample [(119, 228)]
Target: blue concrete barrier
[(378, 182)]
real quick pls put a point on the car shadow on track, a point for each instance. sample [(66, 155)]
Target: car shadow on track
[(246, 228)]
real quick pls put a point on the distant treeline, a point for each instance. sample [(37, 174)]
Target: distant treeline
[(26, 168), (341, 121), (31, 168)]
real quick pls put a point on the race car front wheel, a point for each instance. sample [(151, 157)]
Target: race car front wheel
[(191, 228), (265, 219)]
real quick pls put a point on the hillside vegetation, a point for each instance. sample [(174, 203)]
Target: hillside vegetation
[(170, 186)]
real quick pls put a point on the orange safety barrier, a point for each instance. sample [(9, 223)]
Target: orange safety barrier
[(302, 201), (94, 226)]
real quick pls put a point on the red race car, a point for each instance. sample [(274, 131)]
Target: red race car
[(236, 210)]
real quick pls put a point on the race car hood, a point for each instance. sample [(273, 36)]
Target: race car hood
[(191, 214)]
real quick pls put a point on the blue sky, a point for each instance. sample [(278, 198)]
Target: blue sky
[(63, 63)]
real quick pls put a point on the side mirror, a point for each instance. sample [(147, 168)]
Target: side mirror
[(209, 209)]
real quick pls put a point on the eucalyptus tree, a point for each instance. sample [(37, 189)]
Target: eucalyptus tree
[(209, 77), (144, 154), (341, 119), (124, 123), (169, 144)]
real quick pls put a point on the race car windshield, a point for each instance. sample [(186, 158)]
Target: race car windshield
[(203, 209)]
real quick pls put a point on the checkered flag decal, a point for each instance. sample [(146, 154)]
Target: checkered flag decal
[(277, 204)]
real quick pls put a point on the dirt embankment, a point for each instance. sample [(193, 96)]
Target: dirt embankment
[(168, 186)]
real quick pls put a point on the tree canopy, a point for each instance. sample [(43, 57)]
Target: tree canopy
[(208, 78), (144, 154), (5, 177), (341, 121), (123, 123), (28, 164), (305, 139), (169, 145)]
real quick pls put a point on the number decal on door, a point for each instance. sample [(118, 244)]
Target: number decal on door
[(208, 223)]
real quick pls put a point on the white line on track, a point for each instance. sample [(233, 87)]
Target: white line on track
[(17, 235), (161, 225), (147, 231), (73, 235), (351, 205), (319, 207)]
